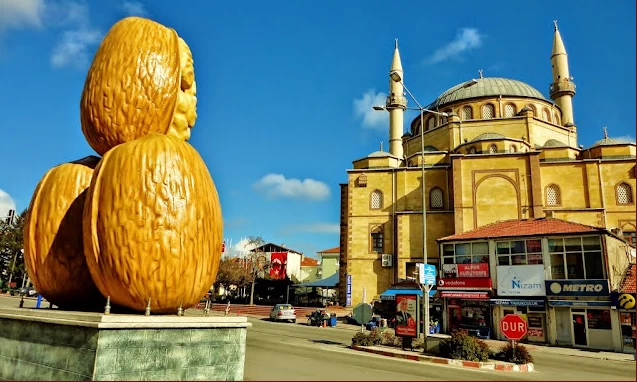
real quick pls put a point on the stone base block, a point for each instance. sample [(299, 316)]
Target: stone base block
[(44, 344)]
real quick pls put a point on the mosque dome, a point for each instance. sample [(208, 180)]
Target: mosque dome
[(612, 141), (488, 137), (486, 87), (554, 143)]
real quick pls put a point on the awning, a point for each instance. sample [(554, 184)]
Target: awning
[(390, 294), (466, 295), (329, 282)]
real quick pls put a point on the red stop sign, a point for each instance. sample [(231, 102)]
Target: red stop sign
[(513, 326)]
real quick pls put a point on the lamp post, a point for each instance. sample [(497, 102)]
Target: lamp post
[(395, 76)]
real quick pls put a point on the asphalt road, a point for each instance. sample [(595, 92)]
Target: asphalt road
[(282, 351)]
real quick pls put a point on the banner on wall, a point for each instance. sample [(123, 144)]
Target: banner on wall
[(348, 291), (407, 315), (278, 265), (521, 280), (465, 270)]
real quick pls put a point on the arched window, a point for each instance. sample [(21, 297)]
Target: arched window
[(513, 149), (376, 200), (533, 109), (376, 239), (553, 197), (509, 110), (431, 123), (472, 150), (546, 115), (493, 149), (556, 119), (488, 111), (467, 113), (436, 198), (624, 193)]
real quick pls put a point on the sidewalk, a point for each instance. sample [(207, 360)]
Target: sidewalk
[(587, 353)]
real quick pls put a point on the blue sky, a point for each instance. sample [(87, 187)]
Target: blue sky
[(285, 88)]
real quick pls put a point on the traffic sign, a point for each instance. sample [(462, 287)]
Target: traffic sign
[(513, 326), (427, 274)]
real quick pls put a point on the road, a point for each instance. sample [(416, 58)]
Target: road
[(282, 351)]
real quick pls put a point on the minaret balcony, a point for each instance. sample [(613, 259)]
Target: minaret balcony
[(396, 101), (557, 89)]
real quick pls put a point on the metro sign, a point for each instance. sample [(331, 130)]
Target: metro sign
[(513, 326)]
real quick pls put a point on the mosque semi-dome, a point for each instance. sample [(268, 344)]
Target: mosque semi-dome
[(486, 87)]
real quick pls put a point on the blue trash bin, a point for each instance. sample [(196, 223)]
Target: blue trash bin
[(333, 321)]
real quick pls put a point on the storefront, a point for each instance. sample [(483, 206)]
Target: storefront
[(466, 305), (581, 313), (387, 306), (521, 290), (624, 303)]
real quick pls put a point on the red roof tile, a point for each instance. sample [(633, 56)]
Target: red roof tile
[(309, 262), (629, 285), (528, 227), (332, 250)]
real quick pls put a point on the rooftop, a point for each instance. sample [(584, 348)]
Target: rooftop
[(629, 283), (309, 262), (528, 227), (485, 87), (331, 250)]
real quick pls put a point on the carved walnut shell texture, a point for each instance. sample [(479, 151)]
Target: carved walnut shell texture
[(53, 247), (153, 225), (133, 84)]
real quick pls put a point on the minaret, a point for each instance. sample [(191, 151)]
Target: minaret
[(562, 89), (396, 105)]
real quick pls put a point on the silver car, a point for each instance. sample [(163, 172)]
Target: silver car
[(283, 312)]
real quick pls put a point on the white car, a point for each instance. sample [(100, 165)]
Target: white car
[(283, 312)]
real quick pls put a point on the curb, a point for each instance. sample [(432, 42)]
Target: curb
[(453, 362)]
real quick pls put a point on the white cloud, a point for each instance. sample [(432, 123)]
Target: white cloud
[(72, 49), (276, 185), (133, 8), (16, 14), (6, 203), (466, 40), (363, 109), (625, 138)]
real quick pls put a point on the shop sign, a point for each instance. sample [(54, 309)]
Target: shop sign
[(506, 302), (592, 288), (521, 280), (466, 295), (578, 303), (465, 270), (348, 291), (622, 301), (465, 283), (534, 332)]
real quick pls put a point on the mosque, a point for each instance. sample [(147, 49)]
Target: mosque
[(506, 189)]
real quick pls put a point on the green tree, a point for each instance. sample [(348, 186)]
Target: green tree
[(231, 272), (11, 246)]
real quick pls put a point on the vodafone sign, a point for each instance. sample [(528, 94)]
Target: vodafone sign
[(465, 283)]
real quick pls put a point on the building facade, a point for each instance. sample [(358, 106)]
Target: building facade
[(330, 259), (502, 151)]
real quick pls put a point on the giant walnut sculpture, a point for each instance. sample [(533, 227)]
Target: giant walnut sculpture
[(151, 225)]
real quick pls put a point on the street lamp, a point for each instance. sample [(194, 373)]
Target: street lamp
[(396, 77)]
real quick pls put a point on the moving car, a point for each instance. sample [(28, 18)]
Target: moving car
[(283, 312)]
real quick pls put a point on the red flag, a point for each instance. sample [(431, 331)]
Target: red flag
[(223, 246)]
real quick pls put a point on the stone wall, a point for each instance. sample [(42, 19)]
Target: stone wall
[(34, 350)]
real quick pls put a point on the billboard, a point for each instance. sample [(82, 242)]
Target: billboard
[(407, 315), (278, 265), (465, 270), (590, 287)]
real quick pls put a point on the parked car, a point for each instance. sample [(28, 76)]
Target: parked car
[(283, 312), (28, 292)]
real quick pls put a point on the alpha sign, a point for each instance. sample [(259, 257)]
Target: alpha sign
[(591, 288)]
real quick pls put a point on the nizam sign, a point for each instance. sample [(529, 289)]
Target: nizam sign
[(521, 280)]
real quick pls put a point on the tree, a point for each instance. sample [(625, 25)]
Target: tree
[(256, 263), (231, 272), (11, 246)]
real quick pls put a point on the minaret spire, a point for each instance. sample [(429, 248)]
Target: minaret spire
[(562, 90), (396, 104)]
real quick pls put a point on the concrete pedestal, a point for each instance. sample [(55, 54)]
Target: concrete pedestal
[(44, 344)]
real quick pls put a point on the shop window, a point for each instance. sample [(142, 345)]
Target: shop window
[(467, 113), (624, 193), (576, 258), (376, 200), (598, 319), (465, 253), (376, 240), (553, 197), (520, 252), (436, 198), (509, 110), (488, 111)]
